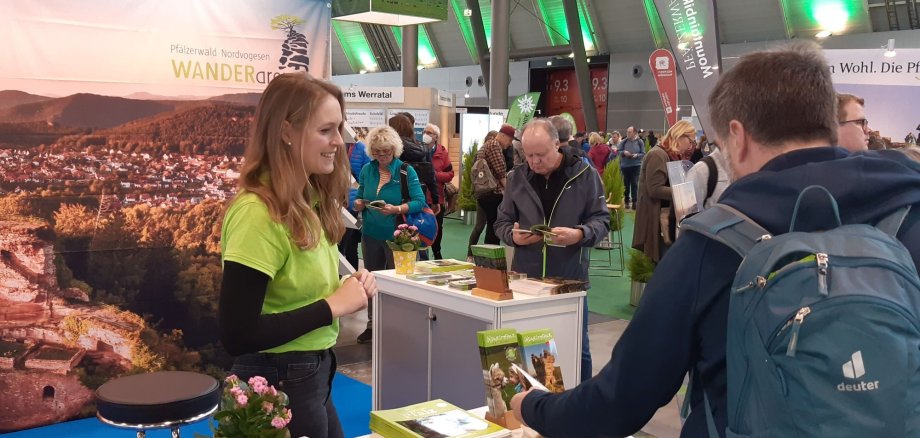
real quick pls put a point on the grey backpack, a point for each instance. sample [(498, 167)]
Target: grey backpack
[(484, 183), (823, 328)]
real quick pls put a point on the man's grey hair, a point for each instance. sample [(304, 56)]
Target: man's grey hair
[(563, 127), (434, 128), (545, 124)]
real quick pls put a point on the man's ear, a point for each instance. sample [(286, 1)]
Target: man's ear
[(743, 146)]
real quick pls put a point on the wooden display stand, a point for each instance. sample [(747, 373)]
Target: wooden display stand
[(508, 421), (492, 284)]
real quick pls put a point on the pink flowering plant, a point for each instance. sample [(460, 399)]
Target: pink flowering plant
[(252, 409), (405, 238)]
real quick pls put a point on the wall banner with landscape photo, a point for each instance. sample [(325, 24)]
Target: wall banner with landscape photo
[(122, 128)]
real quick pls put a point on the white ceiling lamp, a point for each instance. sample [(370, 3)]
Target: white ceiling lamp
[(889, 49), (823, 34), (549, 62), (362, 71), (682, 46), (407, 13), (466, 95)]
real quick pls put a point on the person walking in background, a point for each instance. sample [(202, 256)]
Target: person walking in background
[(564, 128), (281, 298), (600, 152), (381, 181), (554, 188), (480, 225), (357, 157), (655, 225), (443, 173), (631, 150), (614, 143), (492, 153)]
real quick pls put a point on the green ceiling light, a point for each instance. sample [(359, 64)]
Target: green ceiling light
[(553, 15), (654, 23), (426, 53), (357, 51), (821, 18), (466, 29), (388, 12), (831, 16)]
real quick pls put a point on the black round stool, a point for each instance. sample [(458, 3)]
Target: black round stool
[(161, 400)]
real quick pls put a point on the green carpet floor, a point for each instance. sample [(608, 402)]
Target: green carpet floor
[(608, 295)]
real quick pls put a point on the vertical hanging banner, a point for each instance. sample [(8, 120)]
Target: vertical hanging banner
[(693, 32), (662, 64), (522, 109)]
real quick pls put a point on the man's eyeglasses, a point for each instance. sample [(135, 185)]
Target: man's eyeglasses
[(864, 123), (379, 153)]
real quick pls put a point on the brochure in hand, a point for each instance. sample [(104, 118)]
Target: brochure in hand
[(433, 419), (377, 205)]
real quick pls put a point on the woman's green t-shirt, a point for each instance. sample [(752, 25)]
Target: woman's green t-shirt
[(298, 277)]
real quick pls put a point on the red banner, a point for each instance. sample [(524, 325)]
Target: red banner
[(664, 69), (562, 95)]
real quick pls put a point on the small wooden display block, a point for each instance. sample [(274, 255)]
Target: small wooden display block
[(494, 296), (495, 280), (508, 421)]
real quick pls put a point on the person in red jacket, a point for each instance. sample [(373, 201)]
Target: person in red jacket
[(599, 152), (443, 173)]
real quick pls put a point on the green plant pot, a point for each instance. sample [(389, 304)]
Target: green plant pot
[(635, 293)]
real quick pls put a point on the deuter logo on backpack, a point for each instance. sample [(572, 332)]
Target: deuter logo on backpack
[(854, 369)]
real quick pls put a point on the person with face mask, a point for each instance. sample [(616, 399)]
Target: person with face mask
[(443, 173)]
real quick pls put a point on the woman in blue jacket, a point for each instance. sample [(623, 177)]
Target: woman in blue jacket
[(380, 180)]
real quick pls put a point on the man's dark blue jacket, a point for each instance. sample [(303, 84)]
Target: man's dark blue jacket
[(681, 321)]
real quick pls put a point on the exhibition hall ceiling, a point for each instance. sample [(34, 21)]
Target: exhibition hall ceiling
[(609, 27)]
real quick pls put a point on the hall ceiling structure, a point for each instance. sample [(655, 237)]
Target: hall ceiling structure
[(610, 27)]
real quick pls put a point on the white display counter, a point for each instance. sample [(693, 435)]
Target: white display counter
[(425, 347)]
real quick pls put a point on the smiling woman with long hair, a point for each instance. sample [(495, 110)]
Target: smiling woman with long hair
[(281, 296)]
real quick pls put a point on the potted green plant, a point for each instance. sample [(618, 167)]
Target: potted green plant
[(252, 408), (405, 246), (467, 202), (640, 268), (613, 189)]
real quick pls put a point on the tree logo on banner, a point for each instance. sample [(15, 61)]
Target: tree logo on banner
[(294, 48)]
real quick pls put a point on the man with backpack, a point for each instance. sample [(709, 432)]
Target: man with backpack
[(488, 175), (818, 333)]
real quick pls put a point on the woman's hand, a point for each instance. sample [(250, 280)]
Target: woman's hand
[(391, 209), (368, 280), (359, 204), (349, 298)]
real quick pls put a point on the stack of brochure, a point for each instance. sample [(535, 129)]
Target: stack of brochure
[(443, 265), (435, 418)]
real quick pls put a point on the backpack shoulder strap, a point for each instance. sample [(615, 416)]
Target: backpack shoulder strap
[(404, 181), (728, 226), (713, 175), (892, 223)]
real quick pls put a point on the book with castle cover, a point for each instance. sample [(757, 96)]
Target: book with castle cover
[(498, 352), (539, 350), (433, 419)]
